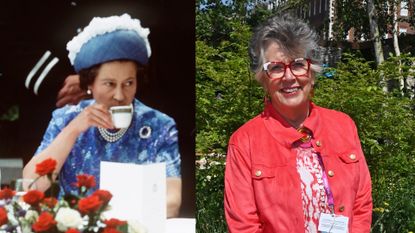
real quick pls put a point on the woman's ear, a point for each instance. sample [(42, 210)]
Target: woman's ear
[(313, 84), (260, 78), (313, 79), (89, 90)]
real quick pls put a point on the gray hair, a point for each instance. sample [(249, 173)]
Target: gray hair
[(293, 35)]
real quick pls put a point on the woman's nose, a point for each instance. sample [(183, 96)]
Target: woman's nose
[(288, 75), (119, 95)]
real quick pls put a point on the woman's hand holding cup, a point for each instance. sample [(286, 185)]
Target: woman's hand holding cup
[(96, 115)]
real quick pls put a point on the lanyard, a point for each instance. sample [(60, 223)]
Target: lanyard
[(330, 198)]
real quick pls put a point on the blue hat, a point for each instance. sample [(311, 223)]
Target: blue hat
[(107, 39)]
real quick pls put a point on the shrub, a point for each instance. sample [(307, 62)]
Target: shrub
[(209, 196), (386, 126)]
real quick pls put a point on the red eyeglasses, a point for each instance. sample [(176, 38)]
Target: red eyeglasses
[(276, 69)]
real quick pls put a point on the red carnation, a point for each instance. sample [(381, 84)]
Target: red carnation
[(50, 202), (103, 195), (114, 223), (85, 180), (6, 193), (45, 222), (89, 204), (72, 230), (33, 197), (111, 230), (46, 167), (3, 216)]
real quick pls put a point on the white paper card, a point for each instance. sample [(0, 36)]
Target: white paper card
[(139, 193), (181, 225), (333, 223)]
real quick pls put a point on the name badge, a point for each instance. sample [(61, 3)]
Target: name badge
[(331, 223)]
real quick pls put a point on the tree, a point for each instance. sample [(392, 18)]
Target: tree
[(395, 29), (374, 32)]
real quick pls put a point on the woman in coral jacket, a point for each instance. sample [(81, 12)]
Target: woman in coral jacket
[(296, 167)]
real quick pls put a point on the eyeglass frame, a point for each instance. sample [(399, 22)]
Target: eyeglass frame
[(265, 67)]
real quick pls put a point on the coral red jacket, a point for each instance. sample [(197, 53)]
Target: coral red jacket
[(262, 186)]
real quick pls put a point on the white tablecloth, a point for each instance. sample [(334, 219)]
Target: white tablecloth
[(181, 225)]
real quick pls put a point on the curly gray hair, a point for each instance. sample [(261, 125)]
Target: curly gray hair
[(291, 34)]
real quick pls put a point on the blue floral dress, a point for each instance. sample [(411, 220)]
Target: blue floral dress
[(152, 137)]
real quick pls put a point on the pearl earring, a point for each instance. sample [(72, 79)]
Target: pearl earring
[(89, 92)]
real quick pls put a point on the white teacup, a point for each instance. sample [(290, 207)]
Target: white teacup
[(121, 116)]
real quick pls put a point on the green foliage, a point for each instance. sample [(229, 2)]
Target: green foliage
[(353, 14), (211, 21), (209, 195), (226, 94), (349, 15), (386, 124), (397, 71), (215, 19)]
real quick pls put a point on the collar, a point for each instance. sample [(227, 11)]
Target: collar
[(284, 133)]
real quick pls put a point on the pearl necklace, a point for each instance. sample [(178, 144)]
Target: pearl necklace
[(111, 137)]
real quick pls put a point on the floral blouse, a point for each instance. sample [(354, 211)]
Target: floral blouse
[(314, 198), (152, 137)]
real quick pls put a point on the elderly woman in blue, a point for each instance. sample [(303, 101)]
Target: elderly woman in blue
[(106, 55)]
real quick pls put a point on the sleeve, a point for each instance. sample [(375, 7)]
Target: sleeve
[(56, 124), (362, 209), (240, 209), (169, 150)]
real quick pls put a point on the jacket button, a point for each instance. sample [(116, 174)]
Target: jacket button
[(352, 156), (341, 208), (318, 143), (258, 173), (331, 173)]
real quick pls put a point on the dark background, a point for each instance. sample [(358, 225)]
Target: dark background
[(29, 28)]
